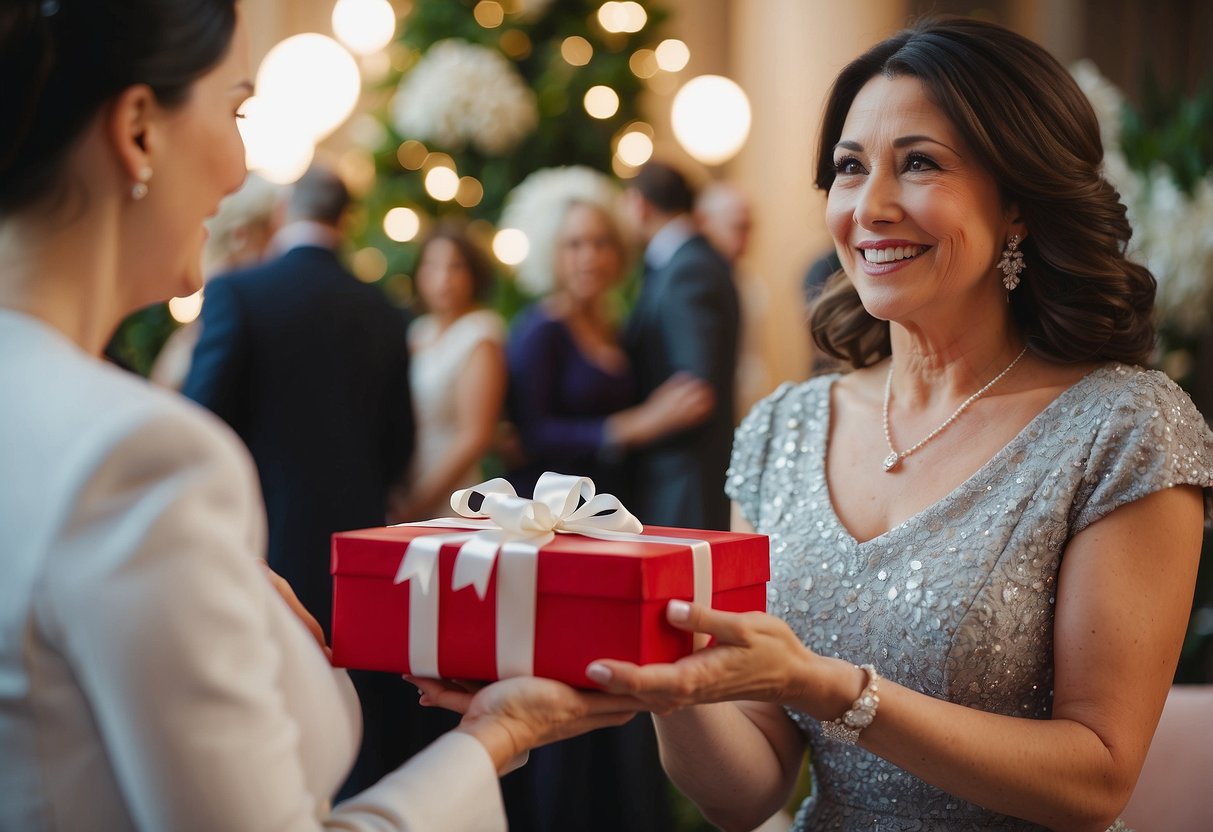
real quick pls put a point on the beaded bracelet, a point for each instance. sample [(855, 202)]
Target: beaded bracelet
[(847, 727)]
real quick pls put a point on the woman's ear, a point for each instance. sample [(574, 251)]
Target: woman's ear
[(131, 131), (1015, 222)]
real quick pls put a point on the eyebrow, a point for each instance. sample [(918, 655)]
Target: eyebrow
[(245, 86), (899, 142)]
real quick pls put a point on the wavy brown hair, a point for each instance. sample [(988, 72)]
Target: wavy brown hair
[(1036, 133)]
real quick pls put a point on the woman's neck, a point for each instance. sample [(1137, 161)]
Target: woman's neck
[(929, 369), (63, 273)]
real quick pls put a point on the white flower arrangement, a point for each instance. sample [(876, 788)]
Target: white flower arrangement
[(537, 206), (1171, 229), (460, 93)]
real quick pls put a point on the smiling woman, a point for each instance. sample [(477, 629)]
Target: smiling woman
[(977, 631)]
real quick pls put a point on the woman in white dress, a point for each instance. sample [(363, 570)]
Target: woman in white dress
[(151, 677), (457, 373)]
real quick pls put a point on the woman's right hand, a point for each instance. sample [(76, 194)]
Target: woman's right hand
[(512, 716), (681, 401)]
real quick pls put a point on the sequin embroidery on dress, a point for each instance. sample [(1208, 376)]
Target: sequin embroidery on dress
[(957, 601)]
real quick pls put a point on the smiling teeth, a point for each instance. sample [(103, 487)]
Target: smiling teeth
[(888, 255)]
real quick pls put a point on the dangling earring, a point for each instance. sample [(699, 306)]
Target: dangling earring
[(139, 189), (1011, 263)]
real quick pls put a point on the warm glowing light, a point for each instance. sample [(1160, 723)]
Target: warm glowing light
[(643, 63), (489, 14), (515, 43), (672, 55), (364, 26), (411, 154), (511, 246), (312, 81), (401, 224), (357, 169), (442, 183), (576, 50), (622, 169), (601, 101), (272, 147), (634, 148), (470, 192), (711, 118), (376, 66), (186, 309), (628, 16), (369, 264)]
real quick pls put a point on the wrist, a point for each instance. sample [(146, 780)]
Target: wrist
[(859, 715), (500, 743)]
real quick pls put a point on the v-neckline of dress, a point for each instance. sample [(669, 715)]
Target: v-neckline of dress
[(982, 473)]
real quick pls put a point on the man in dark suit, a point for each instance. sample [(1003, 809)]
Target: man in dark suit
[(310, 367), (685, 320)]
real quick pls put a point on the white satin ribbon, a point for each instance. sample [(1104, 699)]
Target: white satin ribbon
[(499, 527)]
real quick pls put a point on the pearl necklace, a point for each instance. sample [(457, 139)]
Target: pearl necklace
[(893, 460)]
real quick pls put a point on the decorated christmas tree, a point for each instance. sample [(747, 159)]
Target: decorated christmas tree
[(481, 95)]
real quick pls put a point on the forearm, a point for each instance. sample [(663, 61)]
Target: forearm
[(721, 759), (1057, 773)]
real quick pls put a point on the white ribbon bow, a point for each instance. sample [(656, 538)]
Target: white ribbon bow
[(507, 530)]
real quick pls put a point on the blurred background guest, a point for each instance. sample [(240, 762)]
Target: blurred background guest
[(238, 236), (724, 217), (685, 320), (310, 368), (457, 377), (572, 394)]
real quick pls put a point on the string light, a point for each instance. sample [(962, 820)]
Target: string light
[(364, 26), (601, 101), (672, 55), (401, 224), (576, 50), (511, 246)]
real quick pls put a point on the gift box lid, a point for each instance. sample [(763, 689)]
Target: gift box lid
[(573, 564)]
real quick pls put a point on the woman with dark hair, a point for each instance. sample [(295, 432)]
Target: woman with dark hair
[(985, 535), (151, 676), (457, 373)]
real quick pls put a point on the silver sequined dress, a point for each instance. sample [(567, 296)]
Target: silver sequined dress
[(957, 601)]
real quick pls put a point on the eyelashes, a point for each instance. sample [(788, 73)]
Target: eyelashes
[(915, 162)]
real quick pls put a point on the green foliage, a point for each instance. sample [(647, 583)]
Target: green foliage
[(1171, 128), (140, 337)]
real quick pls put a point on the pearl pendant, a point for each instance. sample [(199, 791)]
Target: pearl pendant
[(891, 461)]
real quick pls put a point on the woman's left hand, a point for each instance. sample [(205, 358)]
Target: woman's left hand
[(288, 595), (754, 656)]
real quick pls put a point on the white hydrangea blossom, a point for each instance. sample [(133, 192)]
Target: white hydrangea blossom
[(537, 206), (1172, 233), (460, 93)]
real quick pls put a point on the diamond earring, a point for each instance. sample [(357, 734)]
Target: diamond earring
[(1011, 263), (139, 189)]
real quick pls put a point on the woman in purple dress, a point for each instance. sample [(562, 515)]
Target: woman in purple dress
[(572, 396)]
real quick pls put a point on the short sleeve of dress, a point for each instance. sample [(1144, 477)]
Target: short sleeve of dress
[(1152, 438), (751, 443)]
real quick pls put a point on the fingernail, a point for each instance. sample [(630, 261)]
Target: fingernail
[(678, 611), (599, 673)]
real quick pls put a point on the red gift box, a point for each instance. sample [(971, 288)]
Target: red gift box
[(594, 599)]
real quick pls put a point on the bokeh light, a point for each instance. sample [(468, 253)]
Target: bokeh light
[(364, 26), (470, 192), (643, 63), (576, 50), (186, 309), (672, 55), (489, 14), (511, 246), (634, 148), (411, 154), (711, 118), (628, 16), (601, 101), (368, 264), (401, 224), (442, 183), (272, 147), (312, 81)]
